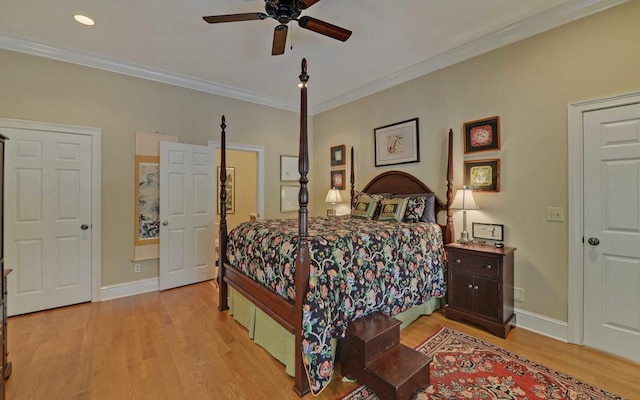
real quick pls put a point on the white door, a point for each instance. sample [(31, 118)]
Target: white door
[(187, 214), (612, 230), (48, 219)]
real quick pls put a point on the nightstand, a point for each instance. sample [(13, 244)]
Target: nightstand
[(481, 286)]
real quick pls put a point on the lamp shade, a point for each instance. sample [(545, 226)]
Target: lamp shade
[(333, 196), (464, 200)]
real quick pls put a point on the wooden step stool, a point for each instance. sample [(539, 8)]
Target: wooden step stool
[(372, 353)]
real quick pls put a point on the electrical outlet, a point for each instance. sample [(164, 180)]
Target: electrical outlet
[(518, 294), (555, 214), (136, 267)]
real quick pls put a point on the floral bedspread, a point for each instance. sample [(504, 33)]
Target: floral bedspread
[(357, 266)]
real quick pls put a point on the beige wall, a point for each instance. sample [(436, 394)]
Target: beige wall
[(529, 85), (39, 89)]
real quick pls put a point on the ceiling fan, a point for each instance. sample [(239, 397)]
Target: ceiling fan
[(285, 11)]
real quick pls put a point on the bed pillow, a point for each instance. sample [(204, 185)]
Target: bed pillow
[(415, 209), (375, 196), (364, 207), (393, 209), (429, 213)]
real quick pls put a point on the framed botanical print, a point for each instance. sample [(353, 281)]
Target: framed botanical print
[(397, 143), (482, 135), (483, 175)]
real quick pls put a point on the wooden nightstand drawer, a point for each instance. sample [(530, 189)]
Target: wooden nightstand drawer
[(475, 264)]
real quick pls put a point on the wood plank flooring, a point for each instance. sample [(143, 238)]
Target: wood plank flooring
[(176, 345)]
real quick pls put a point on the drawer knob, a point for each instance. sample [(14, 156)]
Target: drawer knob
[(476, 287), (458, 261), (469, 286), (488, 266)]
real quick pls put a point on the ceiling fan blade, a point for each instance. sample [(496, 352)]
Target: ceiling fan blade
[(324, 28), (279, 39), (309, 3), (215, 19)]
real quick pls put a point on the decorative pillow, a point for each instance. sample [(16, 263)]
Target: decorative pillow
[(364, 207), (393, 209), (415, 209), (375, 196), (429, 213)]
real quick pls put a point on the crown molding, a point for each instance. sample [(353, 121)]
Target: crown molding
[(549, 19), (539, 23), (14, 43)]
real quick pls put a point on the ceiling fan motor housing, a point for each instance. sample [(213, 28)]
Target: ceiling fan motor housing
[(283, 10)]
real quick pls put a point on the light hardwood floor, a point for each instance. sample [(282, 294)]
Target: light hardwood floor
[(176, 345)]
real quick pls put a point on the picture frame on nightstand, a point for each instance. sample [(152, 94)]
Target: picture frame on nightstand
[(482, 231)]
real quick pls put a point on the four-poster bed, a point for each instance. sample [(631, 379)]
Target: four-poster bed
[(348, 259)]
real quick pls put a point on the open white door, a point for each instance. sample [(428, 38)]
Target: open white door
[(187, 214)]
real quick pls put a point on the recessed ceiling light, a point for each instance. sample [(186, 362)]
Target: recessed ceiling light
[(84, 20)]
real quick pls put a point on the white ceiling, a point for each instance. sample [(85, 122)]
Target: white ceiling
[(393, 41)]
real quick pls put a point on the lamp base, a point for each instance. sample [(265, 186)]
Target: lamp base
[(464, 238)]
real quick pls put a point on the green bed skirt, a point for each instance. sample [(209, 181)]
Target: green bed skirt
[(280, 343)]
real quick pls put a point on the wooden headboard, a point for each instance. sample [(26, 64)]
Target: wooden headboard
[(398, 182)]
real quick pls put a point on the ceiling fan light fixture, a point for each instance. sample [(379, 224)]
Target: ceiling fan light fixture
[(84, 20)]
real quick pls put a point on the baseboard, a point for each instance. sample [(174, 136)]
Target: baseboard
[(130, 288), (546, 326)]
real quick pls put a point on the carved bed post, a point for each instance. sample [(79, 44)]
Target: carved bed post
[(449, 234), (301, 385), (222, 237), (353, 178)]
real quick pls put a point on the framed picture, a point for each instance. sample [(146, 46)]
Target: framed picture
[(337, 155), (147, 224), (230, 188), (483, 175), (482, 135), (289, 198), (487, 231), (337, 179), (289, 168), (397, 143)]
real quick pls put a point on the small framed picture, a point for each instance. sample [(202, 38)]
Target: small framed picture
[(337, 155), (289, 168), (289, 198), (482, 135), (483, 175), (397, 143), (337, 179), (331, 213), (487, 231)]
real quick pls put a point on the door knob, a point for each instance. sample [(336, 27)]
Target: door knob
[(84, 227), (594, 241), (165, 222)]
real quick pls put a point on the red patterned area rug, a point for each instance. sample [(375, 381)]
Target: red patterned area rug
[(465, 367)]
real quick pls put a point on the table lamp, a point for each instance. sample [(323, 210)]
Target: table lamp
[(464, 201), (333, 197)]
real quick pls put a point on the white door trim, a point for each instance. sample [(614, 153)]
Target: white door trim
[(576, 201), (96, 185), (259, 150)]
